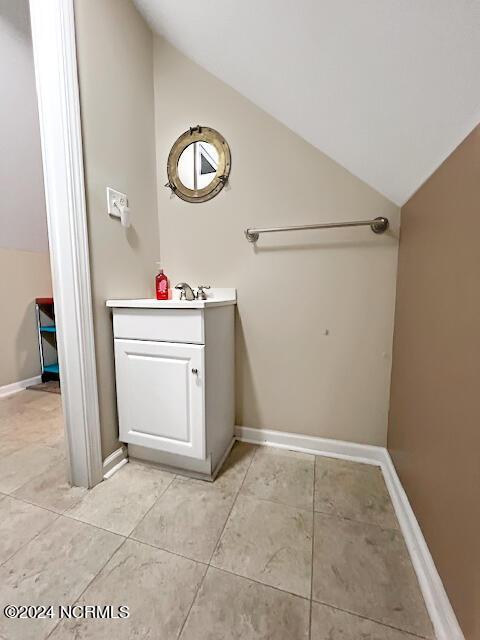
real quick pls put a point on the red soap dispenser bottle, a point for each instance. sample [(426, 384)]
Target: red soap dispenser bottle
[(161, 285)]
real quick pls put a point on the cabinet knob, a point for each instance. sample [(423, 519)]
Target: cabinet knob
[(195, 371)]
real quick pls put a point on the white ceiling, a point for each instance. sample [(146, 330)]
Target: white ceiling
[(387, 88)]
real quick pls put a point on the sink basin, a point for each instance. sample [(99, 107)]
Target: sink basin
[(215, 297)]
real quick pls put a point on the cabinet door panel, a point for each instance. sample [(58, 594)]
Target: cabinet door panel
[(160, 395)]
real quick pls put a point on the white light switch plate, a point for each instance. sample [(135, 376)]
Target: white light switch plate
[(112, 197)]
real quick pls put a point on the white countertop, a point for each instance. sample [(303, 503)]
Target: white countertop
[(215, 297)]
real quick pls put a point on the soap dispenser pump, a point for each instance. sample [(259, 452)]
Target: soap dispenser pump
[(162, 285)]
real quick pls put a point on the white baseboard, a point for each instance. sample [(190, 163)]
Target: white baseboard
[(114, 462), (436, 599), (438, 605), (21, 385), (366, 453)]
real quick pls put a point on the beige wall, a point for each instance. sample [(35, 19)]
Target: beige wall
[(22, 203), (116, 95), (25, 275), (24, 260), (294, 288), (434, 423)]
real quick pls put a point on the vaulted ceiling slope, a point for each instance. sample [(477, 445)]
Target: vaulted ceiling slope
[(387, 88)]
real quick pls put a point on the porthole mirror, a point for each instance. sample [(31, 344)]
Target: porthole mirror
[(198, 164)]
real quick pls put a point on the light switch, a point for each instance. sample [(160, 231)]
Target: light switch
[(117, 206)]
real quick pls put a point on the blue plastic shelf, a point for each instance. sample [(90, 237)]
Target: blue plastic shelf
[(48, 329), (51, 368)]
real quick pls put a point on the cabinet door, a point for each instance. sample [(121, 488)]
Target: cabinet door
[(161, 395)]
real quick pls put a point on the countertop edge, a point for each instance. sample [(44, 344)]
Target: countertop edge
[(134, 304)]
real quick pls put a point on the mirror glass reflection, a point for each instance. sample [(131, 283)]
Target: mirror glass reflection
[(197, 165)]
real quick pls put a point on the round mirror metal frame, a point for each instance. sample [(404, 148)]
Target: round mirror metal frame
[(199, 134)]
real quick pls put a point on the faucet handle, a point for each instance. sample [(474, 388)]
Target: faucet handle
[(201, 295)]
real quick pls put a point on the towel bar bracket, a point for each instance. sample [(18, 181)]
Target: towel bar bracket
[(379, 225)]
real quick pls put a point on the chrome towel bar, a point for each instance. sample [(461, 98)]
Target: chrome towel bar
[(378, 225)]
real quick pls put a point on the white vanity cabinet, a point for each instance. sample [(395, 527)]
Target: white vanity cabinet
[(161, 395), (174, 363)]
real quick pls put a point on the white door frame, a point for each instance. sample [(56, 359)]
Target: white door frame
[(54, 52)]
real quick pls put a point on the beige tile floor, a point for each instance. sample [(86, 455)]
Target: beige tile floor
[(283, 546)]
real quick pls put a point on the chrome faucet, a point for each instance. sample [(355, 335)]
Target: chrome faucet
[(186, 291)]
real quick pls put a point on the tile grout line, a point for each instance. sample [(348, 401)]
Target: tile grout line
[(95, 526), (37, 475), (193, 602), (364, 617), (202, 562), (261, 584), (123, 535), (373, 524), (69, 517), (23, 445), (312, 600), (90, 582), (216, 546), (325, 513), (129, 536), (41, 506), (233, 505), (284, 504), (50, 524), (174, 553), (353, 519), (397, 530), (33, 504), (151, 507), (231, 573)]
